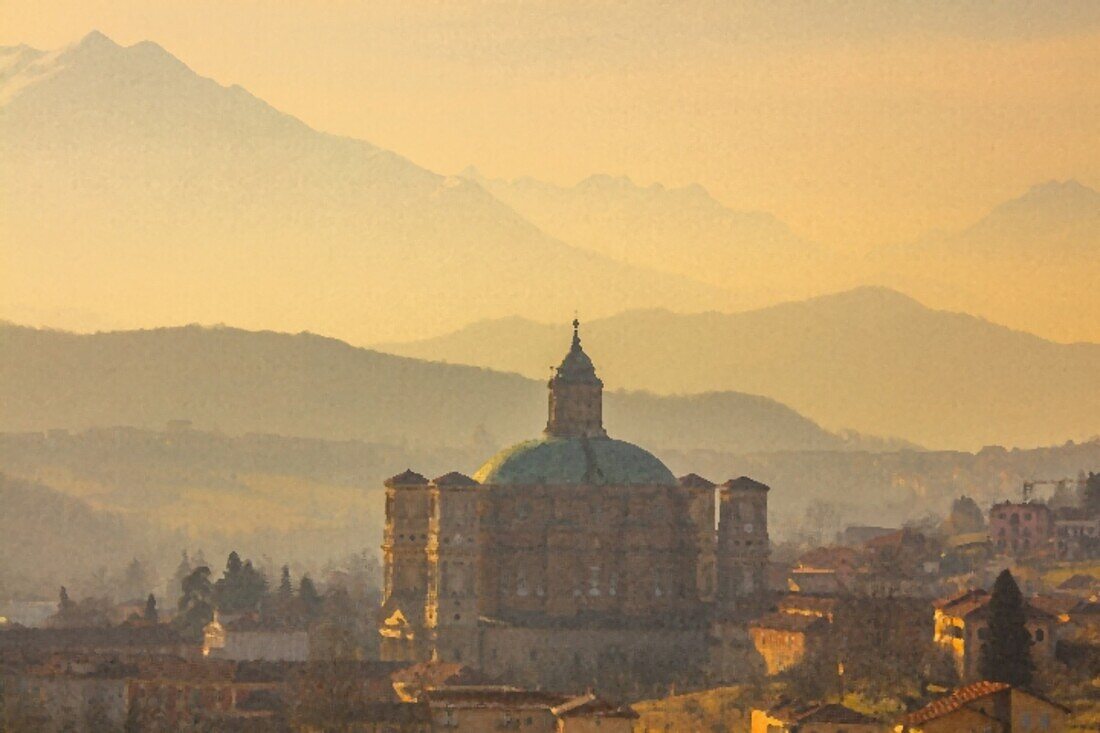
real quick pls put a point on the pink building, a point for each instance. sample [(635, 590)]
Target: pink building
[(1021, 529)]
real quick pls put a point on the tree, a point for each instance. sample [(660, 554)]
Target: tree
[(151, 615), (309, 598), (135, 581), (175, 586), (966, 516), (286, 589), (1006, 655), (64, 604), (1091, 497), (241, 587), (196, 607)]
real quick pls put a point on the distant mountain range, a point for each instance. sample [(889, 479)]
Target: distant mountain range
[(50, 539), (1025, 263), (161, 197), (158, 195), (309, 386), (1032, 262), (682, 231), (870, 359)]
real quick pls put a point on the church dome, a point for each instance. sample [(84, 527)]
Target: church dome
[(557, 461)]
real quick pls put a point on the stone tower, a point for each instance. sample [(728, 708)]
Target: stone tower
[(700, 503), (576, 396), (451, 609), (742, 544), (405, 560)]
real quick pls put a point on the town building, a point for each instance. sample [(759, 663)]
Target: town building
[(961, 626), (814, 718), (121, 642), (378, 717), (1081, 585), (996, 707), (476, 709), (249, 639), (1023, 529), (1076, 534), (784, 639), (569, 557)]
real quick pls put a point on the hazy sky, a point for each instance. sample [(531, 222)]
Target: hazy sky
[(856, 122)]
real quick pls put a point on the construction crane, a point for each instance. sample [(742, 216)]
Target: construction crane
[(1029, 486)]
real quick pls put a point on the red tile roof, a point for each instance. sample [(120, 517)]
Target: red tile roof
[(977, 601), (808, 604), (592, 706), (958, 699), (963, 697), (944, 603), (797, 622), (493, 696), (822, 713)]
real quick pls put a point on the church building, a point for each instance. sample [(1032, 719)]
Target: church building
[(571, 559)]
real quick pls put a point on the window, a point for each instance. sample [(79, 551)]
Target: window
[(1040, 635), (983, 634), (521, 582), (594, 580)]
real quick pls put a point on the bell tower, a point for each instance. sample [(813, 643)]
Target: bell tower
[(743, 545), (576, 396)]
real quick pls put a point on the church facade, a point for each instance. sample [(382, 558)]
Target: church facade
[(572, 559)]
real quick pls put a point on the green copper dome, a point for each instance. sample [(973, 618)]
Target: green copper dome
[(575, 460)]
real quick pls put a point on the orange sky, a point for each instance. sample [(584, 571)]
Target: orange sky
[(856, 122)]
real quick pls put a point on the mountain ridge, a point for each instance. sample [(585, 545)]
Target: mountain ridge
[(130, 176), (316, 386), (871, 359)]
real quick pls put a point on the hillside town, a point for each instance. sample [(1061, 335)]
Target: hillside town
[(574, 584), (543, 366)]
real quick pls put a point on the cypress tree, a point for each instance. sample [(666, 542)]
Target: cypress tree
[(151, 615), (1006, 655), (286, 590)]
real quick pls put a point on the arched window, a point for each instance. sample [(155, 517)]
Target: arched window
[(521, 582), (1040, 635), (594, 580)]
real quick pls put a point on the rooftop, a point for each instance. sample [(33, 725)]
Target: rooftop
[(959, 698), (454, 478), (744, 483), (964, 696), (559, 461), (822, 713), (799, 622), (695, 481), (408, 477)]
